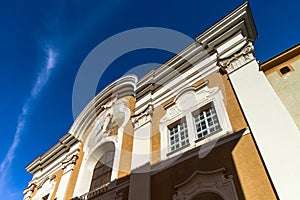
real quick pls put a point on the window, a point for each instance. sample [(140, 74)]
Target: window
[(102, 171), (285, 70), (193, 118), (206, 121), (178, 135)]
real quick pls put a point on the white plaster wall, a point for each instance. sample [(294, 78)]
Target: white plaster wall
[(62, 187), (141, 146), (275, 133), (47, 188)]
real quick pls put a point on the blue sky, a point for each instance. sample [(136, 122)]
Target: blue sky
[(43, 44)]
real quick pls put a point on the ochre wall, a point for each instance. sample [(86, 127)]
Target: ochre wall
[(240, 159), (233, 109), (287, 86), (158, 113), (251, 172), (127, 142), (57, 178)]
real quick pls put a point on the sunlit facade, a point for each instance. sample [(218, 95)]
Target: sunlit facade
[(205, 125)]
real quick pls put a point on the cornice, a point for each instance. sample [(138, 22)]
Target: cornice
[(60, 148), (143, 117), (239, 20)]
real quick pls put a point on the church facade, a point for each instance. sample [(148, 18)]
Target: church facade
[(208, 124)]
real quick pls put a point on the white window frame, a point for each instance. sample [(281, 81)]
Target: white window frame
[(185, 104), (178, 124), (208, 128)]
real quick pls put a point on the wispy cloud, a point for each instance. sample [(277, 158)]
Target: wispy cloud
[(40, 82)]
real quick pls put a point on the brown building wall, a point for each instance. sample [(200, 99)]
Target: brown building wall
[(57, 178), (233, 109), (250, 170), (250, 182)]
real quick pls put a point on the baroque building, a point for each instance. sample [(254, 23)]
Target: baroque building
[(208, 124)]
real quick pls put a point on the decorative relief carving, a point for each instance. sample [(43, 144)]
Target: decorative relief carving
[(107, 124), (182, 105), (212, 181), (238, 59), (143, 117)]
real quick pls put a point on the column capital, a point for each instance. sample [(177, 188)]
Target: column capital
[(143, 117), (69, 163), (28, 191), (238, 59)]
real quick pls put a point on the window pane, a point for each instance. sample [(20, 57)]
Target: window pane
[(206, 122), (178, 136)]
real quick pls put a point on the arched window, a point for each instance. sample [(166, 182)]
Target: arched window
[(102, 171)]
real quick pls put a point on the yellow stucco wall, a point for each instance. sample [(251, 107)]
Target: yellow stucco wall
[(158, 113), (233, 109), (251, 172), (288, 86), (127, 142)]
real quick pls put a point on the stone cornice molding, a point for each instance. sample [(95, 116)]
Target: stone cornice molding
[(111, 103), (61, 148), (238, 59), (239, 20)]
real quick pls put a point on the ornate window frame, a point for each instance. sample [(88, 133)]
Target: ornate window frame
[(215, 181), (183, 106)]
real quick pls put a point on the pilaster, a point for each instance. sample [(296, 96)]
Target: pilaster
[(142, 137), (273, 129), (68, 167)]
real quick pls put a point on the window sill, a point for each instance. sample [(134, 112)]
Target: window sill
[(178, 150), (207, 136)]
